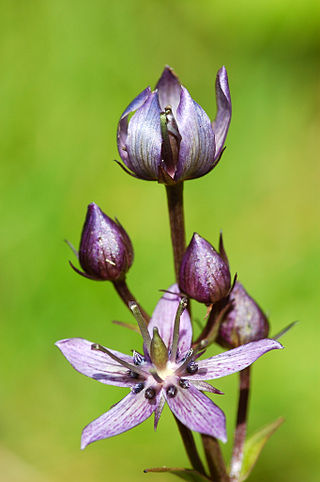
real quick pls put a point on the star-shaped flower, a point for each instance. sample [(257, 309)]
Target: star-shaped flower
[(168, 371)]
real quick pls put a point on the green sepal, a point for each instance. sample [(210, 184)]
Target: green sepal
[(185, 474), (254, 445)]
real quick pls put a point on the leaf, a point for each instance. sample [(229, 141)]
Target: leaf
[(185, 474), (254, 446)]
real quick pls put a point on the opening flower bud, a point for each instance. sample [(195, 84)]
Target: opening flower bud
[(106, 252), (204, 273), (169, 137), (244, 321)]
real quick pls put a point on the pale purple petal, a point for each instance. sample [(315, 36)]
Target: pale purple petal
[(197, 412), (163, 318), (96, 364), (169, 89), (144, 140), (123, 123), (129, 412), (233, 360), (197, 147), (222, 121)]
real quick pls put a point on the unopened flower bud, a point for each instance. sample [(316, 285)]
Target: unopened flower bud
[(106, 252), (169, 137), (244, 321), (204, 273)]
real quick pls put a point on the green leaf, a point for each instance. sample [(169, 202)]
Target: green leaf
[(185, 474), (254, 446)]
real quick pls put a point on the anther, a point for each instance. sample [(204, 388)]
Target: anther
[(192, 368), (172, 391), (137, 358), (184, 383), (150, 393), (138, 388)]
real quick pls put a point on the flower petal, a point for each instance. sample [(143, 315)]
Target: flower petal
[(233, 360), (129, 412), (222, 121), (169, 89), (197, 146), (197, 412), (144, 139), (163, 318), (123, 123), (96, 364)]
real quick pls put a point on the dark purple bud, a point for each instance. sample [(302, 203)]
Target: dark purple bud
[(169, 137), (204, 273), (244, 321), (106, 252)]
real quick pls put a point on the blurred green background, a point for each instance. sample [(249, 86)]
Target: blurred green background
[(68, 69)]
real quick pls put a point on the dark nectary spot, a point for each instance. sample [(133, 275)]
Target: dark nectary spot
[(150, 393), (172, 391)]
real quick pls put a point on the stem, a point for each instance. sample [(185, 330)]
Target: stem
[(190, 446), (178, 239), (214, 458), (176, 215), (126, 296), (241, 427)]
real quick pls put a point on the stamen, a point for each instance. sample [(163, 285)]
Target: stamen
[(186, 362), (150, 393), (182, 306), (184, 383), (141, 322), (137, 358), (138, 388), (192, 368), (172, 391), (138, 371)]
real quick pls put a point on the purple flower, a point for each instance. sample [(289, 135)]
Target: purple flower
[(106, 252), (170, 138), (168, 371), (244, 321), (204, 273)]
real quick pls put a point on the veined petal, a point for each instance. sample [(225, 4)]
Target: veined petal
[(197, 412), (169, 89), (144, 139), (129, 412), (163, 318), (123, 123), (96, 364), (222, 121), (197, 146), (233, 360)]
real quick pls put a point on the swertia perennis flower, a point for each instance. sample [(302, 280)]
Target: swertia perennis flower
[(170, 137), (169, 371)]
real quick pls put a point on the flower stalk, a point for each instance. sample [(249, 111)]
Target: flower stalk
[(241, 425), (176, 217)]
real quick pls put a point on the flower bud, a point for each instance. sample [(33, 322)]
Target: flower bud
[(204, 273), (106, 252), (169, 137), (244, 321)]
